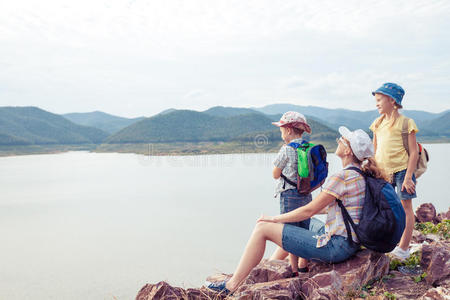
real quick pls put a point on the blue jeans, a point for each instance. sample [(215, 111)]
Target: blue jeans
[(397, 181), (303, 243), (290, 200)]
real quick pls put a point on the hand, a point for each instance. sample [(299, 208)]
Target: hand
[(409, 186), (264, 218)]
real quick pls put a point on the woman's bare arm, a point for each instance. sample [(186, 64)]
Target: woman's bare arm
[(304, 212)]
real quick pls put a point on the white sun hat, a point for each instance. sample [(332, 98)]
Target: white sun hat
[(360, 142)]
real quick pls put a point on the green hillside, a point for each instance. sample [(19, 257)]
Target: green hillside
[(34, 126), (106, 122), (440, 126), (193, 126)]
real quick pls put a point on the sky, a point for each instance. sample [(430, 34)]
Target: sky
[(137, 58)]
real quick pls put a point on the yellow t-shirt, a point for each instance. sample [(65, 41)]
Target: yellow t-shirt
[(391, 154)]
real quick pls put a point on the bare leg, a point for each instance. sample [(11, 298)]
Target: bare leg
[(254, 251), (279, 254), (302, 263), (407, 234), (293, 260)]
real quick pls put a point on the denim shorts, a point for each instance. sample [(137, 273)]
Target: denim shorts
[(397, 181), (303, 243), (290, 200)]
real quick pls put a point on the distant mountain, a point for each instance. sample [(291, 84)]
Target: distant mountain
[(193, 126), (222, 111), (166, 111), (32, 125), (440, 126), (332, 117), (351, 118), (106, 122), (320, 132)]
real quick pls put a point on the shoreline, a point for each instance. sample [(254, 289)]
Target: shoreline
[(166, 149)]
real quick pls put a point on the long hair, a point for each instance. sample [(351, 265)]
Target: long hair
[(391, 121), (371, 168)]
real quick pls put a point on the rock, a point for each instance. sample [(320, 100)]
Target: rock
[(326, 285), (269, 280), (404, 287), (269, 271), (358, 270), (289, 288), (418, 237), (431, 237), (265, 271), (445, 283), (162, 290), (438, 293), (426, 213), (436, 260), (443, 216)]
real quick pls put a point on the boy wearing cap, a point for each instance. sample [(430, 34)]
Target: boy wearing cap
[(390, 153), (292, 126)]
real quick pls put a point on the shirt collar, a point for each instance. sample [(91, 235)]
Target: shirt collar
[(299, 141), (352, 165)]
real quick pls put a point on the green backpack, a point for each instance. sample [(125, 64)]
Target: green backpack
[(312, 167)]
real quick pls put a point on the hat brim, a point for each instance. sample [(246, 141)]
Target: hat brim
[(278, 124), (386, 94), (344, 131)]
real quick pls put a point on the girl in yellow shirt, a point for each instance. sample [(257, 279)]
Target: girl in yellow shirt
[(391, 154)]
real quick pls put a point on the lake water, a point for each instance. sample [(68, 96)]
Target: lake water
[(84, 225)]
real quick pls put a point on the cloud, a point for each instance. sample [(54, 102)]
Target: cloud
[(195, 94), (67, 55), (293, 82)]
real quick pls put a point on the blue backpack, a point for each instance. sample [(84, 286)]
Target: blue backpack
[(312, 167), (382, 218)]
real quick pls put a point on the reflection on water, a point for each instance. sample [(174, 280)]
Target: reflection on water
[(97, 226)]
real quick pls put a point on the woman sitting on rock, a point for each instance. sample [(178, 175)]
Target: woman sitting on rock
[(328, 242)]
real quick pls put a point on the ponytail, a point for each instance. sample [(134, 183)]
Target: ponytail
[(391, 121), (371, 168)]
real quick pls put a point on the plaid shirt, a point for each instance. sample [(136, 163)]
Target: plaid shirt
[(350, 187), (286, 160)]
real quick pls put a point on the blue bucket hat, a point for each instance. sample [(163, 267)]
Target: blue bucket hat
[(392, 90)]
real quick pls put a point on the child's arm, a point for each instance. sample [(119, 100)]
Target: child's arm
[(408, 184), (374, 143), (276, 173)]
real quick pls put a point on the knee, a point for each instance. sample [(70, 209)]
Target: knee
[(260, 228)]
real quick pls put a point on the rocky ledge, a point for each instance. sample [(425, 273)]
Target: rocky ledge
[(367, 275)]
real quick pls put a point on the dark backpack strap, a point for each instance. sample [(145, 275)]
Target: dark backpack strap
[(347, 221), (357, 170), (345, 215), (405, 134), (295, 146), (288, 180)]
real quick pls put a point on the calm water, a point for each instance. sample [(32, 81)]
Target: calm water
[(99, 226)]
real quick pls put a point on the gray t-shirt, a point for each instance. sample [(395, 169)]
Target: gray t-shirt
[(286, 160)]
